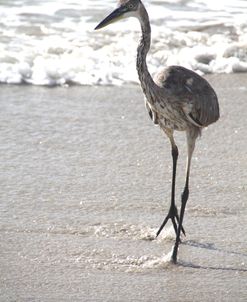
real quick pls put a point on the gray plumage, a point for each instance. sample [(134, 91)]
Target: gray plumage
[(176, 99)]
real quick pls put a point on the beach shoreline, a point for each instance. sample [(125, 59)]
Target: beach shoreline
[(85, 182)]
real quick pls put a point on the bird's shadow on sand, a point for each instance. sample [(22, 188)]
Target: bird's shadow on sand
[(211, 246)]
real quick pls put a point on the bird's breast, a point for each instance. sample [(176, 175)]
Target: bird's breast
[(169, 117)]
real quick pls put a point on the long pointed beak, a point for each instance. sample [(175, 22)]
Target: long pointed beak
[(116, 15)]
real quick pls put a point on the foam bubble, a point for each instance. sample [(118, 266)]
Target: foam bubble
[(52, 44), (162, 262)]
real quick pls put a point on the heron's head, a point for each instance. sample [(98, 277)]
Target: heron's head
[(126, 8)]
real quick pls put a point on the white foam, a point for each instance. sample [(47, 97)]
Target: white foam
[(167, 234), (50, 44), (159, 262)]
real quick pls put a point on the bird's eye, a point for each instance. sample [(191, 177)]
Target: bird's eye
[(131, 6)]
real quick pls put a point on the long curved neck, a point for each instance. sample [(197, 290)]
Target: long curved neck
[(144, 45)]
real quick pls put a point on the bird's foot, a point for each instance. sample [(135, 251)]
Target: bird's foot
[(173, 215)]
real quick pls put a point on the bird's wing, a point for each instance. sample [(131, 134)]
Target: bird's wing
[(191, 92)]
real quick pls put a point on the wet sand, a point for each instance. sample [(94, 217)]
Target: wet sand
[(85, 183)]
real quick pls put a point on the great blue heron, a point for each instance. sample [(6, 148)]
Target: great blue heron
[(176, 99)]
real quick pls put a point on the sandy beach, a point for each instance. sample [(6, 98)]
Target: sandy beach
[(85, 183)]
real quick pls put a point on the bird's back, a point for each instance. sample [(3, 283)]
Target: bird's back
[(189, 92)]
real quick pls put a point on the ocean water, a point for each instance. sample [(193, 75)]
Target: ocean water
[(50, 42)]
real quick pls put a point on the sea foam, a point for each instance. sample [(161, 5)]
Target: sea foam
[(55, 43)]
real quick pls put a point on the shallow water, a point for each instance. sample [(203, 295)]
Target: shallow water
[(52, 42), (85, 183)]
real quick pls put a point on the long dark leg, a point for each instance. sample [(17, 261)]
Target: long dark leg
[(191, 138), (173, 213), (185, 196)]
